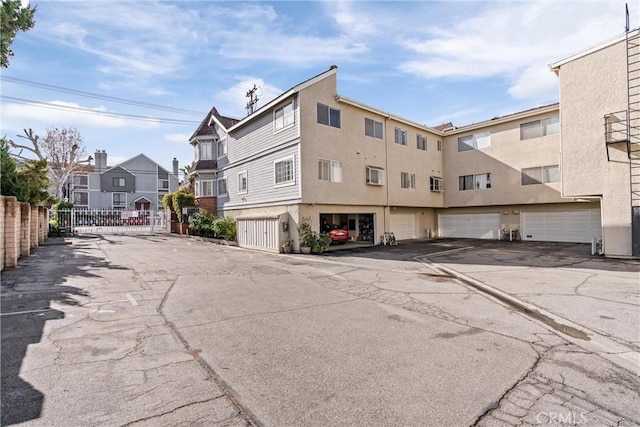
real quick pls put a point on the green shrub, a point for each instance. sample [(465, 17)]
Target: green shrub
[(167, 201), (306, 235), (225, 227), (202, 223), (180, 200)]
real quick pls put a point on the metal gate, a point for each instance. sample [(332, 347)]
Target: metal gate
[(103, 221)]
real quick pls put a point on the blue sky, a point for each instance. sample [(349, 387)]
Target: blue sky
[(428, 61)]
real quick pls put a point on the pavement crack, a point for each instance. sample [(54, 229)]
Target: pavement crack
[(139, 420)]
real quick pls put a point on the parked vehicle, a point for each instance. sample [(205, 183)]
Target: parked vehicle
[(338, 233)]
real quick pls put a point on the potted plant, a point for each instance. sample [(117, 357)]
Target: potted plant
[(306, 234), (286, 247)]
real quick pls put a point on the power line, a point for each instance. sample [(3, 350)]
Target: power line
[(97, 112), (100, 96)]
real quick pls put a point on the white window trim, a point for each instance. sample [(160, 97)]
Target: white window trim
[(333, 165), (436, 184), (82, 192), (113, 202), (403, 136), (226, 148), (411, 180), (380, 175), (124, 180), (201, 144), (218, 193), (246, 174), (285, 183), (199, 186), (276, 129)]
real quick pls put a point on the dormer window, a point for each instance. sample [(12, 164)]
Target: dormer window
[(204, 150)]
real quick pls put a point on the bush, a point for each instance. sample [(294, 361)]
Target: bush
[(225, 227), (306, 235), (180, 200), (167, 201), (202, 223)]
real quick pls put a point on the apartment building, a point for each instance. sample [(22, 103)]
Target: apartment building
[(138, 183), (314, 153)]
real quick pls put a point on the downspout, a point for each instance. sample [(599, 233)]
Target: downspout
[(386, 166)]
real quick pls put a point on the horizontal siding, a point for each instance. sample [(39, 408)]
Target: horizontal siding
[(261, 181), (259, 135), (145, 171)]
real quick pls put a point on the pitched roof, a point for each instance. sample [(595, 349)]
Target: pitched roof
[(204, 165), (207, 129)]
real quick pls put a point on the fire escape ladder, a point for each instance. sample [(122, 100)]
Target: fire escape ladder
[(633, 113)]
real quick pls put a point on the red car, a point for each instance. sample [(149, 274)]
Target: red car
[(339, 234)]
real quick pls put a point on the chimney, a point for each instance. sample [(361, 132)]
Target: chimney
[(175, 166), (101, 160)]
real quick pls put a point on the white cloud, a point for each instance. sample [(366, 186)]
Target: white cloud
[(64, 114), (536, 82), (180, 138), (232, 101), (514, 40)]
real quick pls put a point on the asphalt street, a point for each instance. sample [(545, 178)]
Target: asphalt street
[(167, 330)]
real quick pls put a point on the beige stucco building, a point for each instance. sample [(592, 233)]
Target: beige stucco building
[(540, 174)]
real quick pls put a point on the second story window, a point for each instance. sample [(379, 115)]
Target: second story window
[(222, 186), (408, 180), (479, 181), (163, 185), (243, 182), (80, 181), (375, 176), (222, 148), (538, 128), (421, 142), (283, 117), (400, 136), (541, 175), (284, 172), (330, 170), (373, 128), (436, 183), (205, 151), (205, 188), (328, 116), (118, 182), (477, 141)]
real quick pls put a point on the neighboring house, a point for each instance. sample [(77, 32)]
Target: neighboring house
[(136, 184), (312, 152)]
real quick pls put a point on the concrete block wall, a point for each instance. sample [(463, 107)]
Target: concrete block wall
[(25, 229), (22, 228)]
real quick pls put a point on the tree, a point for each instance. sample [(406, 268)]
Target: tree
[(186, 171), (29, 183), (63, 149), (15, 18)]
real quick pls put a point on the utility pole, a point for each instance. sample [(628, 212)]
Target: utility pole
[(253, 100)]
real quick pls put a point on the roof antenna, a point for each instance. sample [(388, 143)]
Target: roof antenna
[(626, 7), (253, 100)]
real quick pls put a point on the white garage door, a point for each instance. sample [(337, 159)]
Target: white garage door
[(403, 226), (259, 233), (564, 226), (469, 226)]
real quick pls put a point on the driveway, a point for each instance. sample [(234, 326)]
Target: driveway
[(164, 330)]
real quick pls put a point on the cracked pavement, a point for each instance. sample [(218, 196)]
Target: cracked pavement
[(164, 330)]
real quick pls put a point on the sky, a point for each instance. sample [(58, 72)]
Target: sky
[(427, 61)]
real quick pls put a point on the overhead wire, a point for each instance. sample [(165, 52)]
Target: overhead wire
[(93, 95), (97, 112)]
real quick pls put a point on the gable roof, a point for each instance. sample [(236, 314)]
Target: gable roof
[(207, 129)]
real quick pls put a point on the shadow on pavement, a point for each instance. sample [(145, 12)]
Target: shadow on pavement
[(491, 252), (27, 294)]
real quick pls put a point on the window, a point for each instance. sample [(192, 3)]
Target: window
[(81, 198), (205, 188), (540, 175), (475, 182), (206, 151), (330, 170), (222, 186), (400, 136), (477, 141), (119, 200), (328, 116), (118, 182), (373, 128), (222, 148), (436, 183), (283, 170), (538, 128), (408, 180), (375, 176), (80, 181), (421, 142), (163, 185), (283, 117), (439, 145), (243, 182)]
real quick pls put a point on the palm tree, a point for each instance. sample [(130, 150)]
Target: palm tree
[(186, 171)]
